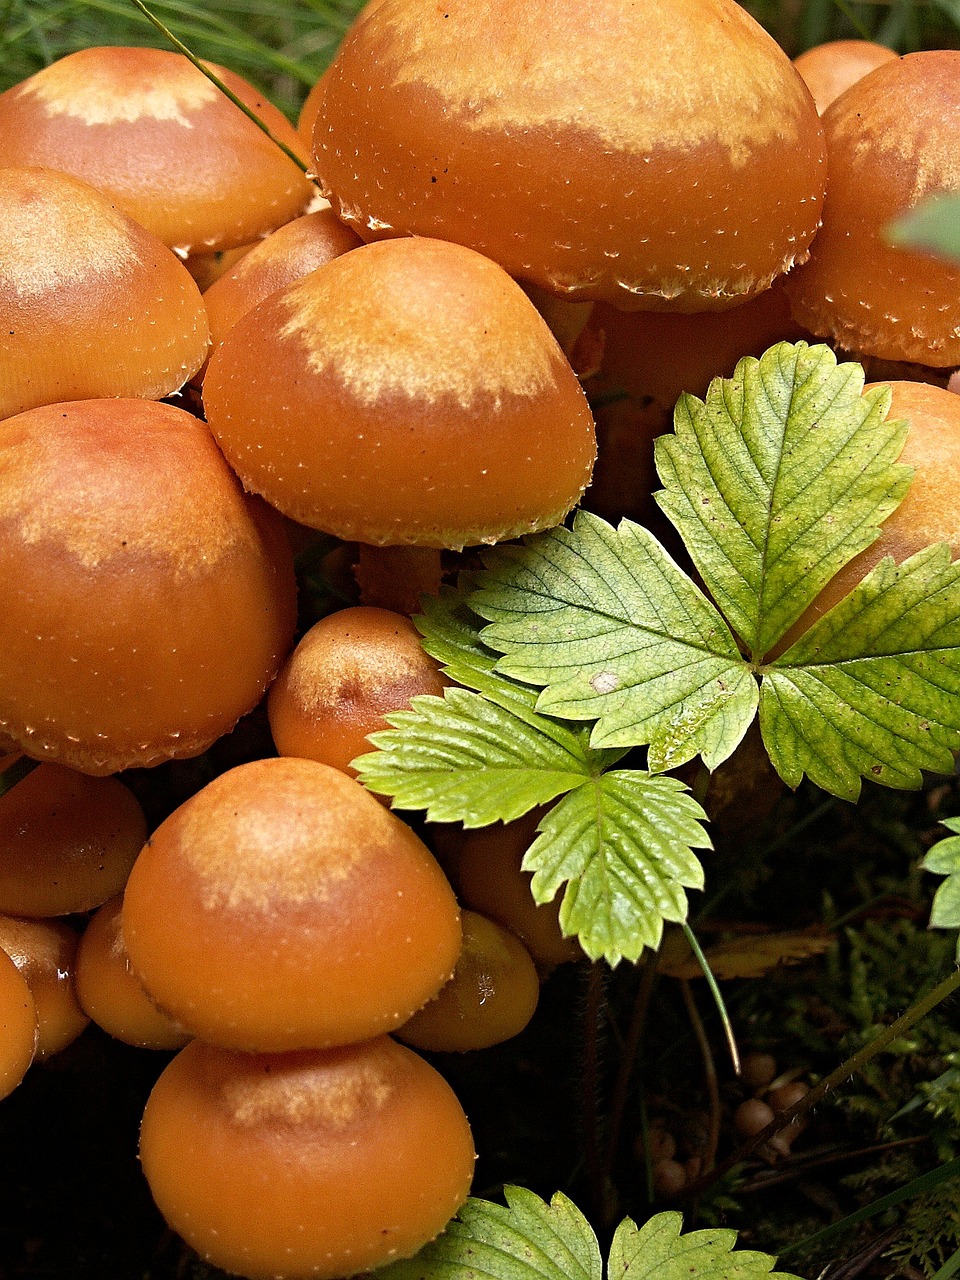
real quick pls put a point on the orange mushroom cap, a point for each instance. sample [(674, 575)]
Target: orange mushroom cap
[(348, 672), (288, 254), (892, 142), (147, 601), (18, 1026), (658, 155), (305, 1166), (283, 907), (67, 842), (830, 69), (405, 393), (92, 304), (147, 128), (45, 952)]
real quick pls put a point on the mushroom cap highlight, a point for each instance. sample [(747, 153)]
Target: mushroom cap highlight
[(93, 305), (149, 130), (892, 142), (407, 393), (282, 907), (305, 1166), (661, 155), (148, 602)]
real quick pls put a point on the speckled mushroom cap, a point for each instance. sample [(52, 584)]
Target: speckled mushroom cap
[(92, 304), (288, 254), (147, 602), (892, 141), (148, 129), (407, 393), (662, 154)]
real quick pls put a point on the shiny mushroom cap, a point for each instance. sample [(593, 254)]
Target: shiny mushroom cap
[(892, 142), (656, 155), (92, 304), (407, 393), (147, 128)]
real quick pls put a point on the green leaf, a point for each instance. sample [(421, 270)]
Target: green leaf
[(464, 758), (757, 475), (618, 633), (526, 1240), (529, 1239), (623, 845), (943, 859), (933, 226), (657, 1251), (873, 688)]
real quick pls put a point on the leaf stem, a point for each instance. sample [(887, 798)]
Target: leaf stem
[(717, 997), (215, 79), (850, 1067), (16, 773), (591, 1089), (709, 1071)]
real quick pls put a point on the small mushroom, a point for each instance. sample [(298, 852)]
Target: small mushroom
[(148, 129), (282, 907), (830, 69), (309, 1165), (45, 952), (19, 1029)]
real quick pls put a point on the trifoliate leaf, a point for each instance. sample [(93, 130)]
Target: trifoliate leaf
[(530, 1240), (525, 1240), (623, 843), (873, 688), (777, 480), (464, 758), (943, 859), (618, 633), (658, 1251)]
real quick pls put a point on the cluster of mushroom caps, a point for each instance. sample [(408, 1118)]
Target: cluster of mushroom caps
[(377, 370)]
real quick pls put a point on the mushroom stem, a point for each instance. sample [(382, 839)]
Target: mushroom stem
[(397, 577)]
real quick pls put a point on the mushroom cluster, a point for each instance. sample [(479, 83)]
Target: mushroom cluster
[(377, 384)]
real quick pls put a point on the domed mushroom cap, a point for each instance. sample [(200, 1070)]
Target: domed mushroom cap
[(407, 393), (892, 142), (147, 601), (288, 254), (830, 69), (18, 1025), (92, 304), (305, 1166), (148, 129), (657, 155), (283, 907)]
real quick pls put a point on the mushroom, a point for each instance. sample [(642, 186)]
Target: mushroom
[(288, 254), (830, 69), (147, 602), (491, 997), (282, 907), (892, 142), (45, 952), (349, 670), (110, 993), (67, 842), (148, 129), (305, 1166), (407, 393), (18, 1026), (660, 156), (93, 305)]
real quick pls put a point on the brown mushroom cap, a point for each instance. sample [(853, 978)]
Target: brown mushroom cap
[(407, 393), (18, 1025), (291, 252), (67, 842), (662, 156), (348, 672), (147, 601), (45, 952), (305, 1166), (830, 69), (282, 907), (148, 129), (92, 304), (892, 142)]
